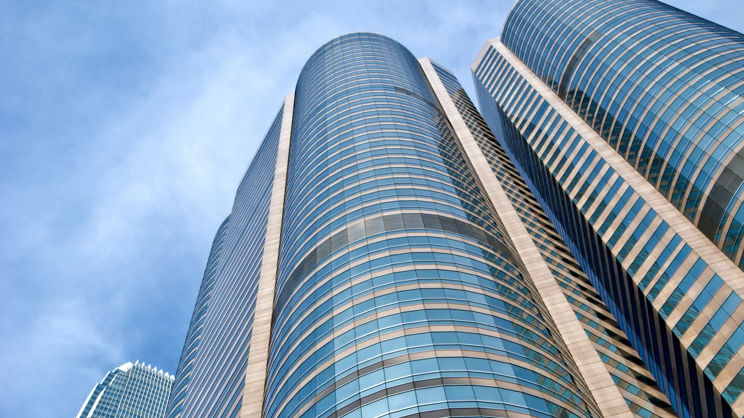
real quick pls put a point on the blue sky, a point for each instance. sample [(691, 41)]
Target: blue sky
[(124, 130)]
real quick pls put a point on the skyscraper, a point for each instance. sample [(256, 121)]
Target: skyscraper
[(385, 257), (625, 119), (129, 391)]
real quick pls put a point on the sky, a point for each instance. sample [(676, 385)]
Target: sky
[(125, 128)]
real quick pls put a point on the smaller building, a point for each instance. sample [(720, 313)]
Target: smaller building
[(130, 390)]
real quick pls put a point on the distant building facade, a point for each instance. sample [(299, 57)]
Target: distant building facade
[(132, 390)]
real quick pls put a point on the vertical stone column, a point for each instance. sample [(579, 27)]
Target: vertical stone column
[(258, 356)]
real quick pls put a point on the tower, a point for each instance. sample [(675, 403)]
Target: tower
[(624, 118), (376, 262), (130, 390)]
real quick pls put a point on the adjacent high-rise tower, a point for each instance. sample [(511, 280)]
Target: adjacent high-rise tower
[(625, 118), (129, 391)]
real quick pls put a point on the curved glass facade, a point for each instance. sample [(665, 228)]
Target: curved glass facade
[(661, 86), (397, 292), (130, 390)]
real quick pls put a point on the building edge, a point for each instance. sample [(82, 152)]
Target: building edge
[(254, 387), (104, 390)]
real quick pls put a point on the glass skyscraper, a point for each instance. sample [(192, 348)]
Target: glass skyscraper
[(572, 251), (398, 289), (624, 118), (375, 264), (129, 391)]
